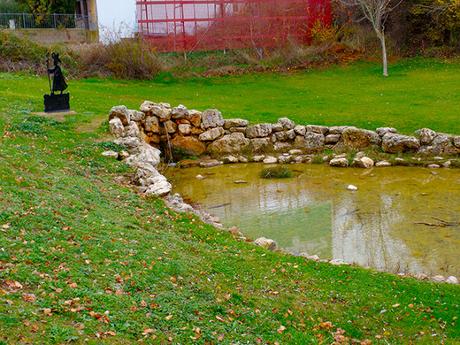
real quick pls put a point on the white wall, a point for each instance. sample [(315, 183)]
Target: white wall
[(117, 19)]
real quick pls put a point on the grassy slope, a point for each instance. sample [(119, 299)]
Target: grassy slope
[(64, 221), (418, 93)]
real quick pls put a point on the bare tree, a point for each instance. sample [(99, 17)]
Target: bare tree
[(376, 12)]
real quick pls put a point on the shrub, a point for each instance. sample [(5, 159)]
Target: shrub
[(279, 171), (126, 58)]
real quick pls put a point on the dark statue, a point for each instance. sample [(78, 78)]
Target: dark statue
[(61, 101)]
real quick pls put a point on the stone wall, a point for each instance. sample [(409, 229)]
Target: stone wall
[(199, 133), (54, 36)]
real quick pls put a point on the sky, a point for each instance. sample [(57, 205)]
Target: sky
[(117, 18)]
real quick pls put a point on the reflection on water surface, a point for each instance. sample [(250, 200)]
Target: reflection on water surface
[(385, 224)]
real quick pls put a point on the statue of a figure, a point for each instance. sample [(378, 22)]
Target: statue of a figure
[(57, 101), (59, 83)]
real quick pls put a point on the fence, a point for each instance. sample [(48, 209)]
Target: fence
[(43, 21), (188, 25)]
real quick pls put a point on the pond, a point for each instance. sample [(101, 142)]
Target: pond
[(400, 219)]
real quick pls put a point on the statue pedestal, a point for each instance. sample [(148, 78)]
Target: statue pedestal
[(57, 102)]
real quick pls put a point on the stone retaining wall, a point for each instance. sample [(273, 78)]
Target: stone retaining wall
[(197, 133)]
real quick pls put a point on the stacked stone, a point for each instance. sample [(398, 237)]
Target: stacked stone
[(234, 140), (124, 125)]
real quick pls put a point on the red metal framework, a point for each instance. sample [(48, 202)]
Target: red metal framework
[(189, 25)]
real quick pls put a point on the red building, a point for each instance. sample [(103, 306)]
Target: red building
[(190, 25)]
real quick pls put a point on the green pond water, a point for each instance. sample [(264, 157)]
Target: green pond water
[(379, 226)]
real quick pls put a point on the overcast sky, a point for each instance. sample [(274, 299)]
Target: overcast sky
[(116, 16)]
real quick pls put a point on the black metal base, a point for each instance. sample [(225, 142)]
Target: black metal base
[(57, 102)]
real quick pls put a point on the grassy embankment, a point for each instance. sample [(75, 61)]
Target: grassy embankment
[(86, 260)]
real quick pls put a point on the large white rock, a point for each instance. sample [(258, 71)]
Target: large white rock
[(286, 123), (116, 127), (395, 143), (212, 134), (146, 154), (211, 118), (266, 243), (121, 112), (260, 130), (339, 162)]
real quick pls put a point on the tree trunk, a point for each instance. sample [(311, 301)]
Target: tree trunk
[(381, 36)]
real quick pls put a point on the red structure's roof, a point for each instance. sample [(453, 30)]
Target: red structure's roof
[(190, 25)]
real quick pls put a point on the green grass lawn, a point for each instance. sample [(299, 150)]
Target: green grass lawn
[(418, 93), (103, 265)]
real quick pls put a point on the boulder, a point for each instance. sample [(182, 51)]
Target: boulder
[(197, 130), (194, 116), (284, 159), (121, 112), (152, 124), (211, 118), (116, 127), (185, 129), (159, 187), (132, 130), (151, 138), (382, 164), (230, 143), (210, 163), (146, 154), (258, 158), (266, 243), (136, 115), (170, 127), (179, 112), (286, 123), (261, 130), (237, 129), (425, 136), (212, 134), (131, 143), (314, 142), (160, 110), (189, 145), (235, 123), (283, 136), (443, 143), (277, 127), (230, 159), (456, 141), (363, 162), (452, 280), (317, 129), (261, 145), (339, 162), (300, 130), (282, 147), (381, 131), (358, 138), (299, 141), (295, 152), (396, 143), (332, 139), (337, 129), (270, 160)]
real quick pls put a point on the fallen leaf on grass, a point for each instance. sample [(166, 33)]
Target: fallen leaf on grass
[(281, 329), (148, 331), (29, 297), (169, 317), (13, 285)]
